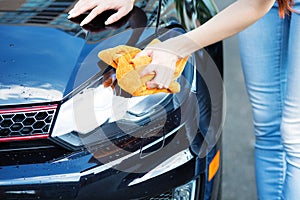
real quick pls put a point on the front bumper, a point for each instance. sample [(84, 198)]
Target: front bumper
[(67, 179)]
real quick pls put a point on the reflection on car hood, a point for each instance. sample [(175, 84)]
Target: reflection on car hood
[(44, 56), (36, 63)]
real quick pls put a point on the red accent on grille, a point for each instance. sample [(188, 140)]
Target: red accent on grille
[(29, 109), (22, 138)]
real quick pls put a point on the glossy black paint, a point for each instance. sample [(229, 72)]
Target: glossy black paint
[(47, 63)]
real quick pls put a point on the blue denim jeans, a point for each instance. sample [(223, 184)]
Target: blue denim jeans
[(270, 56)]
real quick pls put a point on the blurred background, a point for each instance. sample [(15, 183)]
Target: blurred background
[(238, 138)]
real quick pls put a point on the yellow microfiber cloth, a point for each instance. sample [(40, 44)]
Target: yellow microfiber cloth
[(128, 68)]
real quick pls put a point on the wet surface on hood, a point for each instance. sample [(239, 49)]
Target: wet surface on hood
[(36, 63)]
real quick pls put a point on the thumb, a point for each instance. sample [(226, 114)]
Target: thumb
[(149, 69)]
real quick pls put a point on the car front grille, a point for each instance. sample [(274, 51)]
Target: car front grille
[(26, 123)]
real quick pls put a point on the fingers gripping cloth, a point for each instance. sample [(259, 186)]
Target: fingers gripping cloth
[(128, 69)]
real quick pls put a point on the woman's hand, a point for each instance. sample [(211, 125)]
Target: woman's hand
[(123, 7), (163, 65)]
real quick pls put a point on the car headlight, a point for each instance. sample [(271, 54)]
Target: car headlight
[(101, 104)]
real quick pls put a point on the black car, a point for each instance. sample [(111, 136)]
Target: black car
[(68, 131)]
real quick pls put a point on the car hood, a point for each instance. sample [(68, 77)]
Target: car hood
[(44, 64), (44, 61), (36, 63)]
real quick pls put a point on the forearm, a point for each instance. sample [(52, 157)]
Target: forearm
[(228, 22)]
